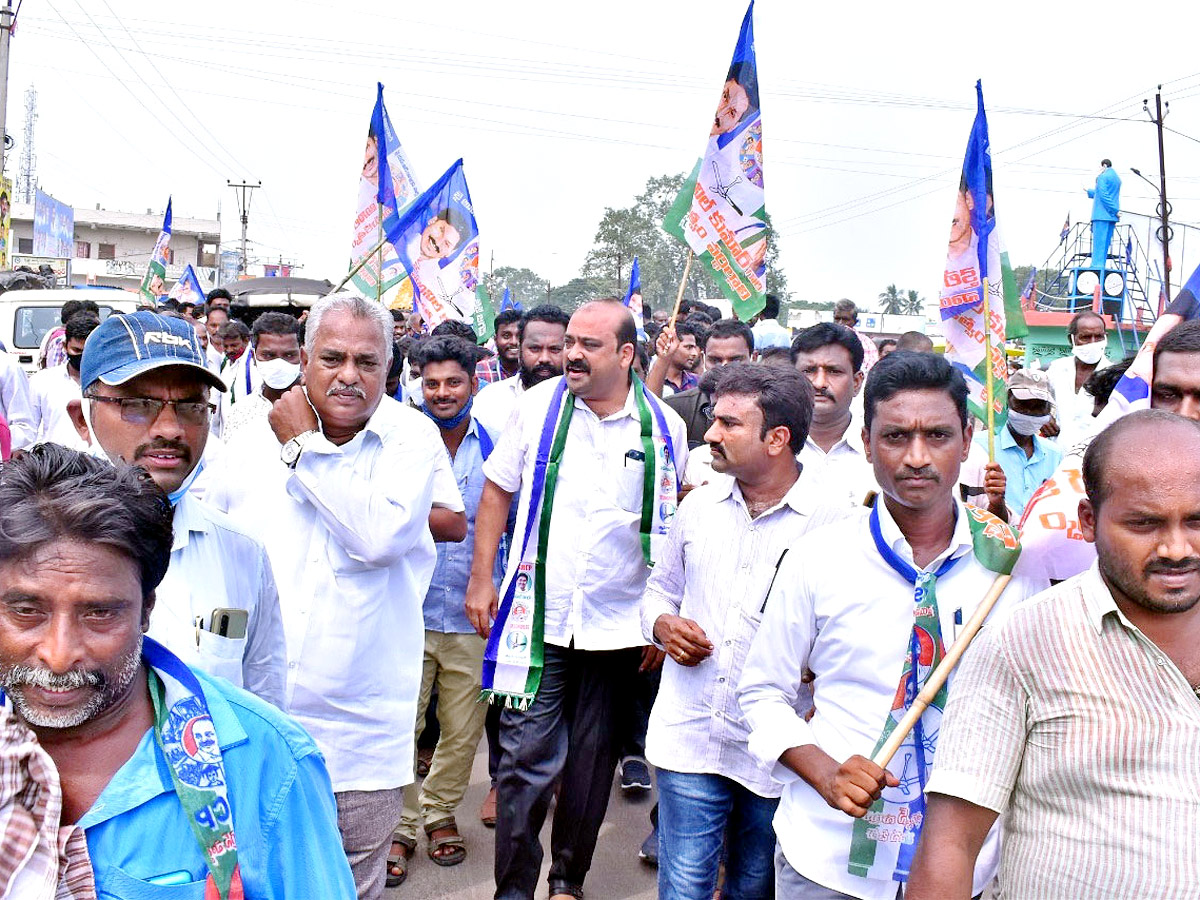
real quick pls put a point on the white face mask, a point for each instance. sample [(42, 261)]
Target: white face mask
[(1026, 425), (278, 374), (1090, 354)]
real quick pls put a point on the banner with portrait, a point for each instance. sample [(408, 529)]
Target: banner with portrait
[(53, 227), (721, 213), (436, 244), (154, 284), (973, 265), (5, 222), (387, 184), (187, 289)]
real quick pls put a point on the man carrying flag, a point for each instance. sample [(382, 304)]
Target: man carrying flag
[(154, 284), (720, 213), (596, 459), (869, 605)]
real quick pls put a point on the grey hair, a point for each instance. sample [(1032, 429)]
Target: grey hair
[(359, 307)]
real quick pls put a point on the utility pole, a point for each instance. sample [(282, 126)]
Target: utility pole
[(245, 191), (1164, 210), (7, 19)]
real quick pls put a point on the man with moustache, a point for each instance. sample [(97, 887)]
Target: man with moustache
[(1076, 717), (169, 781), (540, 335), (595, 457), (340, 491), (868, 605), (146, 401)]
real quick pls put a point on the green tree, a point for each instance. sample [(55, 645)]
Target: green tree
[(892, 302), (914, 303), (528, 287), (575, 293)]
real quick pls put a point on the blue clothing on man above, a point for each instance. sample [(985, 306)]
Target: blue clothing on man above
[(1024, 474), (1106, 209), (288, 845)]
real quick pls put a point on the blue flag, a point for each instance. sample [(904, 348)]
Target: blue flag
[(633, 299), (1066, 229), (154, 284), (507, 302), (187, 289), (435, 244)]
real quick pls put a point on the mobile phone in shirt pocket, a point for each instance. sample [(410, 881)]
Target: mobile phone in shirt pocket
[(120, 885), (219, 655), (631, 481)]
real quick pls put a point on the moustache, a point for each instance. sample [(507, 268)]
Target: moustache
[(823, 392), (177, 446), (51, 681), (924, 472), (716, 450), (580, 367), (1173, 566), (346, 390)]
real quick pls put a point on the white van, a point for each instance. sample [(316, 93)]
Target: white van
[(27, 316)]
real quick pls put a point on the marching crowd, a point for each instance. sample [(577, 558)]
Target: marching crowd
[(241, 565)]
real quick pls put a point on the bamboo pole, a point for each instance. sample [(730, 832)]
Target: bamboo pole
[(362, 262), (990, 391), (939, 675), (687, 268)]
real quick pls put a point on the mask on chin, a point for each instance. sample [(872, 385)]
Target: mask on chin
[(1090, 354)]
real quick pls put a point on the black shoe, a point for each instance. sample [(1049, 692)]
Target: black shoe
[(649, 852), (635, 775)]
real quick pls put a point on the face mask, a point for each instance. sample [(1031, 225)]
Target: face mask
[(74, 360), (1090, 354), (278, 374), (1026, 425)]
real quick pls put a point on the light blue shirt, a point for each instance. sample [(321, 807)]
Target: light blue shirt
[(445, 601), (1024, 474), (284, 817)]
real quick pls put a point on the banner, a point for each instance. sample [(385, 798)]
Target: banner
[(633, 300), (387, 184), (187, 289), (5, 221), (436, 243), (154, 285), (973, 265), (53, 227), (1050, 524), (483, 321), (720, 213)]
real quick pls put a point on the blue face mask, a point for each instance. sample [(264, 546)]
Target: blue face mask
[(453, 422), (176, 495)]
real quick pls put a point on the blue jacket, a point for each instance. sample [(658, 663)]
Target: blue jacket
[(1107, 196), (283, 813)]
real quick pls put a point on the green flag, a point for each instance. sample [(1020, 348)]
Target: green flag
[(483, 317)]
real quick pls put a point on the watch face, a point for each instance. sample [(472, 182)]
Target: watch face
[(1114, 284), (1086, 281)]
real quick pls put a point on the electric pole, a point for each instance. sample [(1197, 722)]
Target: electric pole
[(1164, 210), (244, 191), (7, 17)]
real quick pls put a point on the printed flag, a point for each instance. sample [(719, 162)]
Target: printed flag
[(388, 185), (1050, 531), (507, 302), (483, 320), (1029, 292), (1066, 229), (972, 266), (633, 299), (1014, 312), (436, 245), (154, 285), (187, 289), (720, 213)]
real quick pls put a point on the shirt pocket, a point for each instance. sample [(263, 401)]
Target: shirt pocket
[(221, 656), (631, 481), (120, 885)]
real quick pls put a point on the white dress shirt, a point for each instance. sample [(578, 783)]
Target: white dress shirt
[(1073, 410), (50, 390), (15, 403), (348, 536), (841, 611), (495, 403), (841, 477), (595, 572), (215, 564), (716, 569)]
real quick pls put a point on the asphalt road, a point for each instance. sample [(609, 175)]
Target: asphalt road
[(617, 873)]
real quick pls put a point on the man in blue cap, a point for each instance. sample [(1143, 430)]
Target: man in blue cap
[(146, 401)]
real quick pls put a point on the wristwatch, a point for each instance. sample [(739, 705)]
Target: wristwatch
[(290, 452)]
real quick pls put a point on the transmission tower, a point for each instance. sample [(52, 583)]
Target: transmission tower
[(27, 174)]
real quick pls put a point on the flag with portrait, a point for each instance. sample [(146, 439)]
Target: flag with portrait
[(154, 284)]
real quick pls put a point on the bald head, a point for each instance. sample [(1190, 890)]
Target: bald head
[(1141, 450)]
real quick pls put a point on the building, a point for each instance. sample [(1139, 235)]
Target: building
[(113, 248)]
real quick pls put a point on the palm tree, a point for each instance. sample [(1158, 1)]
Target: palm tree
[(892, 301), (914, 305)]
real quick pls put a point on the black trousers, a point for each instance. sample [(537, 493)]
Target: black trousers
[(575, 728)]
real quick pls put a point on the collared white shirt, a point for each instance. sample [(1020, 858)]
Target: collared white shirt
[(841, 477), (50, 390), (595, 572), (716, 568), (495, 403), (15, 403), (216, 564), (348, 536), (838, 609), (246, 410), (1073, 409)]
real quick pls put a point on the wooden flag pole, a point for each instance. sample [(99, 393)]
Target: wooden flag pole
[(682, 284), (379, 275), (990, 391), (362, 262), (939, 675)]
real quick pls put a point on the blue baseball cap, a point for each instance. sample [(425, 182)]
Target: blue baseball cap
[(131, 344)]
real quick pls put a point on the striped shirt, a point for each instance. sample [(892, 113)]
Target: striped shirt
[(1076, 727)]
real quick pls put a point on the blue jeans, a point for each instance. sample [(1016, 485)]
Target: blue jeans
[(695, 812)]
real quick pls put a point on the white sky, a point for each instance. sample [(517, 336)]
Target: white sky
[(561, 109)]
